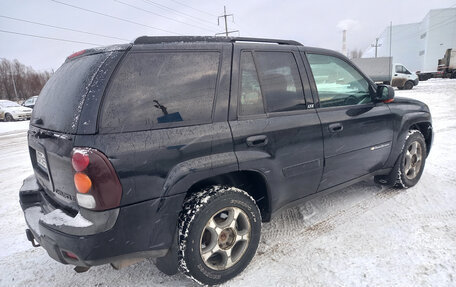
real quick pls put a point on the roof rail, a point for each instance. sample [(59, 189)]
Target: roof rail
[(186, 39)]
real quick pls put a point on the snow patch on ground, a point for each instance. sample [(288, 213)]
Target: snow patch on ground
[(13, 127), (363, 235)]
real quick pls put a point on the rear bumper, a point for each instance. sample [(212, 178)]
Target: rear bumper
[(140, 230)]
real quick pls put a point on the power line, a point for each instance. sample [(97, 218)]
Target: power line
[(177, 11), (115, 17), (196, 9), (49, 38), (159, 15), (62, 28)]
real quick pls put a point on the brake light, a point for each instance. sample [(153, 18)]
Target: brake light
[(95, 179), (76, 54), (80, 160)]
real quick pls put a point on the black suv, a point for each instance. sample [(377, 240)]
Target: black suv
[(179, 147)]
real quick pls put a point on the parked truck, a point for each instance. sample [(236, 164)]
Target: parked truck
[(446, 67), (382, 70)]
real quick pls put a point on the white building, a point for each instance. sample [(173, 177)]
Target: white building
[(418, 46)]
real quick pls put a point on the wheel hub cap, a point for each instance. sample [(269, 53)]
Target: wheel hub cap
[(225, 238), (413, 160)]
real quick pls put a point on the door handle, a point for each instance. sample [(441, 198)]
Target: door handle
[(335, 128), (395, 74), (257, 141)]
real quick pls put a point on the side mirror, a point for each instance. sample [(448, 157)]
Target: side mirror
[(384, 93)]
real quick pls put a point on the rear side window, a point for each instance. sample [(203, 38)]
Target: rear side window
[(61, 99), (158, 89), (251, 102), (280, 81)]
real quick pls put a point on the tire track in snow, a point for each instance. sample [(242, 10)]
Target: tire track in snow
[(284, 241)]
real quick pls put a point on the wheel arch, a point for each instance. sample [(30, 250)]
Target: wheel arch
[(426, 129), (415, 120), (253, 182)]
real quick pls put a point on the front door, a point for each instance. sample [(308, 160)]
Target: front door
[(357, 131)]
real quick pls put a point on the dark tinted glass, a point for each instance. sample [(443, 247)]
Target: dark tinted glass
[(280, 81), (60, 101), (251, 102), (152, 90), (338, 83)]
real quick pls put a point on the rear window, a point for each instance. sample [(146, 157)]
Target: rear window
[(60, 102), (161, 89)]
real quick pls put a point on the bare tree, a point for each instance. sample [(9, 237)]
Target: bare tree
[(26, 81)]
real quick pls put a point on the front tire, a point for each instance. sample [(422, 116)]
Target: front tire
[(9, 118), (219, 232), (410, 163)]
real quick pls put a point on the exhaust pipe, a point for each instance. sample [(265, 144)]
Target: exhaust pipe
[(31, 238)]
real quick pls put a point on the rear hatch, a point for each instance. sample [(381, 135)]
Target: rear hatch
[(56, 119)]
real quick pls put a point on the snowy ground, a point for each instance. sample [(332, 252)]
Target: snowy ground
[(360, 236)]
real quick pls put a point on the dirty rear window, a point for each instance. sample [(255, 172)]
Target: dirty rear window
[(161, 89), (60, 102)]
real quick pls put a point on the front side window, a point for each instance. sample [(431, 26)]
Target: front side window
[(400, 69), (280, 81), (251, 102), (338, 83), (152, 90)]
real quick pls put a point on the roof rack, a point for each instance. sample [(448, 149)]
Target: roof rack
[(186, 39)]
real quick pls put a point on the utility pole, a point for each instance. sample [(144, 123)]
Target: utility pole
[(344, 43), (376, 46), (390, 42), (225, 16)]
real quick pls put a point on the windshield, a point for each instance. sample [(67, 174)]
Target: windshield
[(61, 100), (8, 104)]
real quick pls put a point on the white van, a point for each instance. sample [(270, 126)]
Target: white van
[(403, 78)]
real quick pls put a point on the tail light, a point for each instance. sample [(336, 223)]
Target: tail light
[(96, 182)]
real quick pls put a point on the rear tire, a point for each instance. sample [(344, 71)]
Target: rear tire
[(408, 85), (219, 232)]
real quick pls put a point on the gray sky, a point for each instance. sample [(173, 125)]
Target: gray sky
[(313, 23)]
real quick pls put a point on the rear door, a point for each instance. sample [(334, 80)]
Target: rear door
[(357, 132), (274, 132)]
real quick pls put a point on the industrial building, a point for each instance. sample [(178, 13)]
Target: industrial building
[(418, 45)]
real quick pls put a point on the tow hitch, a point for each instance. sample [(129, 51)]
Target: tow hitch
[(31, 238)]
